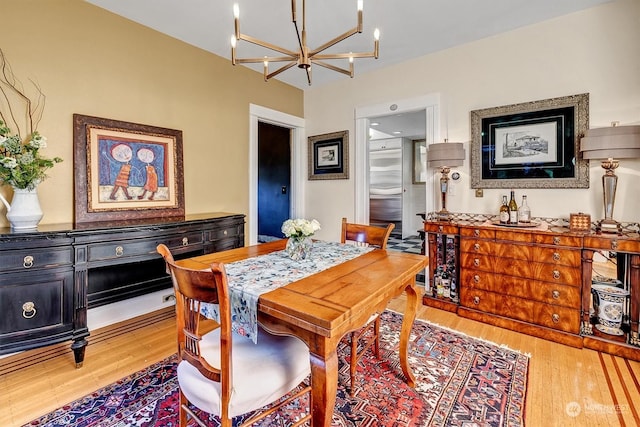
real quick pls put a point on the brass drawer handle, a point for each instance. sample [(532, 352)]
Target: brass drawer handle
[(556, 274), (28, 310), (556, 256), (476, 262), (476, 232), (119, 251), (556, 240), (614, 245), (185, 241), (555, 318), (476, 278), (225, 232), (555, 294), (440, 229), (476, 247), (476, 300), (27, 262)]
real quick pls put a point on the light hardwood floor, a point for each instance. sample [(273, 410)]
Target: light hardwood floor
[(566, 386)]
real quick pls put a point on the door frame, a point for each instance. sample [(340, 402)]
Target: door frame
[(257, 114), (431, 104)]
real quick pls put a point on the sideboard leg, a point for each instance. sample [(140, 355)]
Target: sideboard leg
[(78, 347)]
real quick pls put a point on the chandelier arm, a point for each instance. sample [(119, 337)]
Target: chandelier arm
[(308, 70), (344, 55), (267, 45), (295, 24), (334, 68), (279, 70), (334, 41), (266, 58)]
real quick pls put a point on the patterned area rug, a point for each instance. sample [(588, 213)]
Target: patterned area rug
[(461, 381)]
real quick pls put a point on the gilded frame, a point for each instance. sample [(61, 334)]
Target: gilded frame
[(126, 171), (329, 156), (544, 137)]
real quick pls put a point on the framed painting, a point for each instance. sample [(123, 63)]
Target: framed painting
[(126, 171), (530, 145), (329, 156)]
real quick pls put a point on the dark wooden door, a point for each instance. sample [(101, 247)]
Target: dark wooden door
[(274, 179)]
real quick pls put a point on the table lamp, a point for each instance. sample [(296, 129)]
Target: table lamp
[(445, 156), (610, 144)]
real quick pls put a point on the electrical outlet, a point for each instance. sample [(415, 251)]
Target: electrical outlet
[(168, 297)]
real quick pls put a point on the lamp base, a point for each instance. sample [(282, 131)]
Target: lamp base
[(609, 226)]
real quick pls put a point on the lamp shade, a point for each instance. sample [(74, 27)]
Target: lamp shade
[(615, 142), (445, 154)]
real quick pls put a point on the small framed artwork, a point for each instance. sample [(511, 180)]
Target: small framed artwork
[(419, 161), (126, 171), (530, 145), (329, 156)]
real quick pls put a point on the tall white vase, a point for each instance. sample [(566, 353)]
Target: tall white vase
[(24, 213)]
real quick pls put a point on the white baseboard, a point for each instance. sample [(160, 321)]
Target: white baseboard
[(117, 312)]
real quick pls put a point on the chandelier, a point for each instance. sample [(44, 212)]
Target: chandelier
[(305, 56)]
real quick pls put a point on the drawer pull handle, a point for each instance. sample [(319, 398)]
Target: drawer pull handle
[(476, 232), (27, 262), (476, 300), (225, 232), (476, 278), (28, 310), (476, 247), (614, 245), (555, 318), (440, 229), (185, 241), (119, 251), (556, 240), (555, 294), (556, 256), (476, 262), (556, 274)]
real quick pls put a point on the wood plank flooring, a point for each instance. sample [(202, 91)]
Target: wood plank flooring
[(566, 387)]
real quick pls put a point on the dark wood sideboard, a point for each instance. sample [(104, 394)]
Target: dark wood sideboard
[(50, 277), (538, 282)]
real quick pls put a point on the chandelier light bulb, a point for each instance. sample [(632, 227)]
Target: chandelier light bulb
[(234, 41), (236, 11), (376, 34), (360, 5)]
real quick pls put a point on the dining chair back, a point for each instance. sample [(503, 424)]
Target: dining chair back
[(369, 335), (220, 372)]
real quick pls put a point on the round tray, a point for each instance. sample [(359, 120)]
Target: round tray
[(518, 225)]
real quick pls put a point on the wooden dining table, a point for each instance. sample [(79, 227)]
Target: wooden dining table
[(320, 309)]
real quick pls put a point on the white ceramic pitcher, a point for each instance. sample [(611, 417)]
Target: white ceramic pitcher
[(24, 212)]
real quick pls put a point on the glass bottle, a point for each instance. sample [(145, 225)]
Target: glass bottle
[(524, 212), (513, 209), (504, 211)]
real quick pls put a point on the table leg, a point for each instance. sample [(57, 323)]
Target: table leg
[(407, 323), (324, 387)]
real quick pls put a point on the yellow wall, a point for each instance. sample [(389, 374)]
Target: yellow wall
[(89, 61)]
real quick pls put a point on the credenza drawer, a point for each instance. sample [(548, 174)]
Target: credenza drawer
[(557, 240), (556, 317), (569, 257), (477, 246), (480, 232), (117, 249), (35, 259)]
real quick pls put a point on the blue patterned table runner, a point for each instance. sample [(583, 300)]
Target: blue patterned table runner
[(251, 277)]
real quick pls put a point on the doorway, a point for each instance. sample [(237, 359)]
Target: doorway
[(274, 180), (296, 125), (427, 105)]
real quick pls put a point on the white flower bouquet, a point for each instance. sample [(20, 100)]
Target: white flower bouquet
[(297, 228)]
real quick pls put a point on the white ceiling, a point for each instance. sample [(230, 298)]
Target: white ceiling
[(408, 28)]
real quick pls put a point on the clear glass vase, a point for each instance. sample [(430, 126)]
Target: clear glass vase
[(299, 248)]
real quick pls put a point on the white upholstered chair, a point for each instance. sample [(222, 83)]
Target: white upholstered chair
[(365, 235), (220, 372)]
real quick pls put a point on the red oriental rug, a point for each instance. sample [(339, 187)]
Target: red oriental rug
[(461, 381)]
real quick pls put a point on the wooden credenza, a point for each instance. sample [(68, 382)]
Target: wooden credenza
[(533, 281), (50, 277)]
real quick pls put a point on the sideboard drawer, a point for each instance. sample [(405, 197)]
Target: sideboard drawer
[(117, 249), (41, 300), (35, 259)]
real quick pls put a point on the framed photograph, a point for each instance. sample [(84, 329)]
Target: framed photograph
[(419, 161), (530, 145), (126, 171), (329, 156)]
